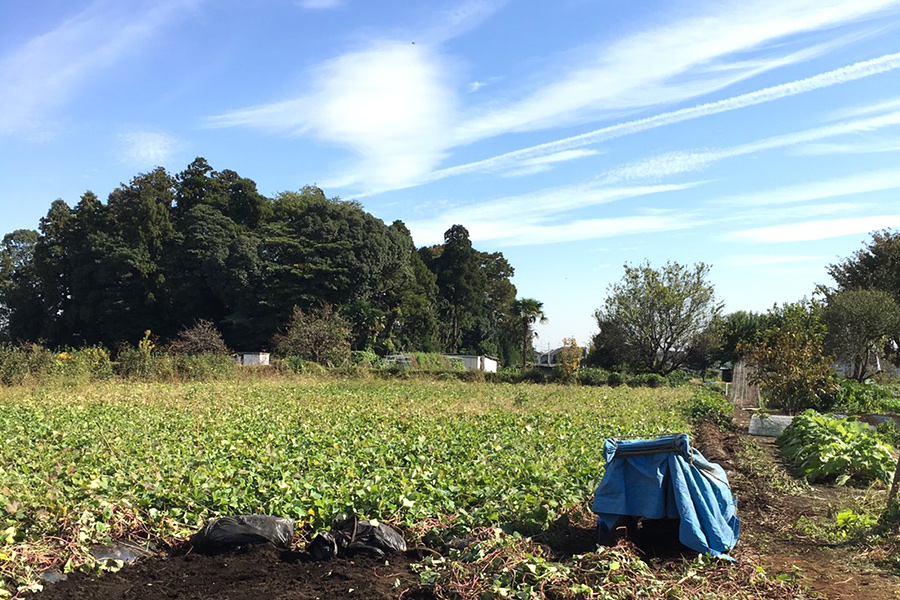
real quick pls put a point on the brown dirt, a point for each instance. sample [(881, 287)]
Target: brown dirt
[(769, 515), (254, 573)]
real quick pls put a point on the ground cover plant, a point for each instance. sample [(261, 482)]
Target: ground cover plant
[(828, 448), (84, 465)]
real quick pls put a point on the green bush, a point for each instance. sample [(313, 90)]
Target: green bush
[(132, 363), (678, 377), (203, 366), (651, 380), (365, 359), (13, 364), (828, 448), (852, 396), (91, 363), (615, 378), (707, 404), (592, 376), (890, 432)]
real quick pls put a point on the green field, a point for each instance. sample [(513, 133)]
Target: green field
[(81, 465)]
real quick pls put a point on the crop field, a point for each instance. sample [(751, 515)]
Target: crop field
[(83, 465)]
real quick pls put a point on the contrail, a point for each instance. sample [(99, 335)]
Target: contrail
[(853, 72)]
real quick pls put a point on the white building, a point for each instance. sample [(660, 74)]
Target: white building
[(251, 358)]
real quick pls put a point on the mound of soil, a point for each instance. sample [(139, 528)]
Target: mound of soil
[(253, 573)]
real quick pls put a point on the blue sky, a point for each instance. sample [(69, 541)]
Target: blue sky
[(759, 136)]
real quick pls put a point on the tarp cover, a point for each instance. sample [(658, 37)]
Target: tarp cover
[(666, 478)]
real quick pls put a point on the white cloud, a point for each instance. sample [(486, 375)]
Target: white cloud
[(391, 105), (869, 109), (757, 260), (813, 230), (847, 74), (47, 70), (630, 73), (534, 218), (860, 183), (393, 79), (673, 163), (518, 234), (875, 146), (147, 149)]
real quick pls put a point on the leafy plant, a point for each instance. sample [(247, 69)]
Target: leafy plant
[(84, 465), (791, 363), (828, 448), (708, 405)]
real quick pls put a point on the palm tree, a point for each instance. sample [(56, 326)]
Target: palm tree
[(530, 311)]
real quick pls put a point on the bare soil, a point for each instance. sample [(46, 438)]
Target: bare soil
[(769, 513), (770, 504)]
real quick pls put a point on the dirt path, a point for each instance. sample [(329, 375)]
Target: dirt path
[(773, 506)]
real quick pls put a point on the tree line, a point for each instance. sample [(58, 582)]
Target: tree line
[(657, 320), (167, 251)]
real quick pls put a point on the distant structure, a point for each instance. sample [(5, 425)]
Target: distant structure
[(743, 389), (254, 359), (549, 359), (476, 362)]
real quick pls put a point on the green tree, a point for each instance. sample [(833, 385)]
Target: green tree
[(21, 314), (528, 311), (659, 313), (461, 283), (860, 323), (609, 347), (875, 267), (790, 359), (319, 334), (740, 332), (568, 360)]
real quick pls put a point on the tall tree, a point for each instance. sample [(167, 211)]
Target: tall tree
[(461, 282), (21, 312), (660, 312), (860, 323), (528, 311), (790, 358), (875, 267)]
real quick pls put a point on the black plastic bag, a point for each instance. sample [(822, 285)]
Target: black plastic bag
[(226, 533), (351, 536)]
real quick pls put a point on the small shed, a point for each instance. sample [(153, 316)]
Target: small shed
[(255, 359), (476, 362)]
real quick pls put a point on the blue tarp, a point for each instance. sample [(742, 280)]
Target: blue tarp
[(666, 478)]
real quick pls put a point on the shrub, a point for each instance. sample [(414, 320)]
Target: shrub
[(708, 405), (791, 363), (201, 338), (678, 377), (568, 361), (615, 378), (592, 376), (13, 364), (320, 334), (852, 396), (365, 359), (651, 380), (825, 448), (202, 366), (299, 365)]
